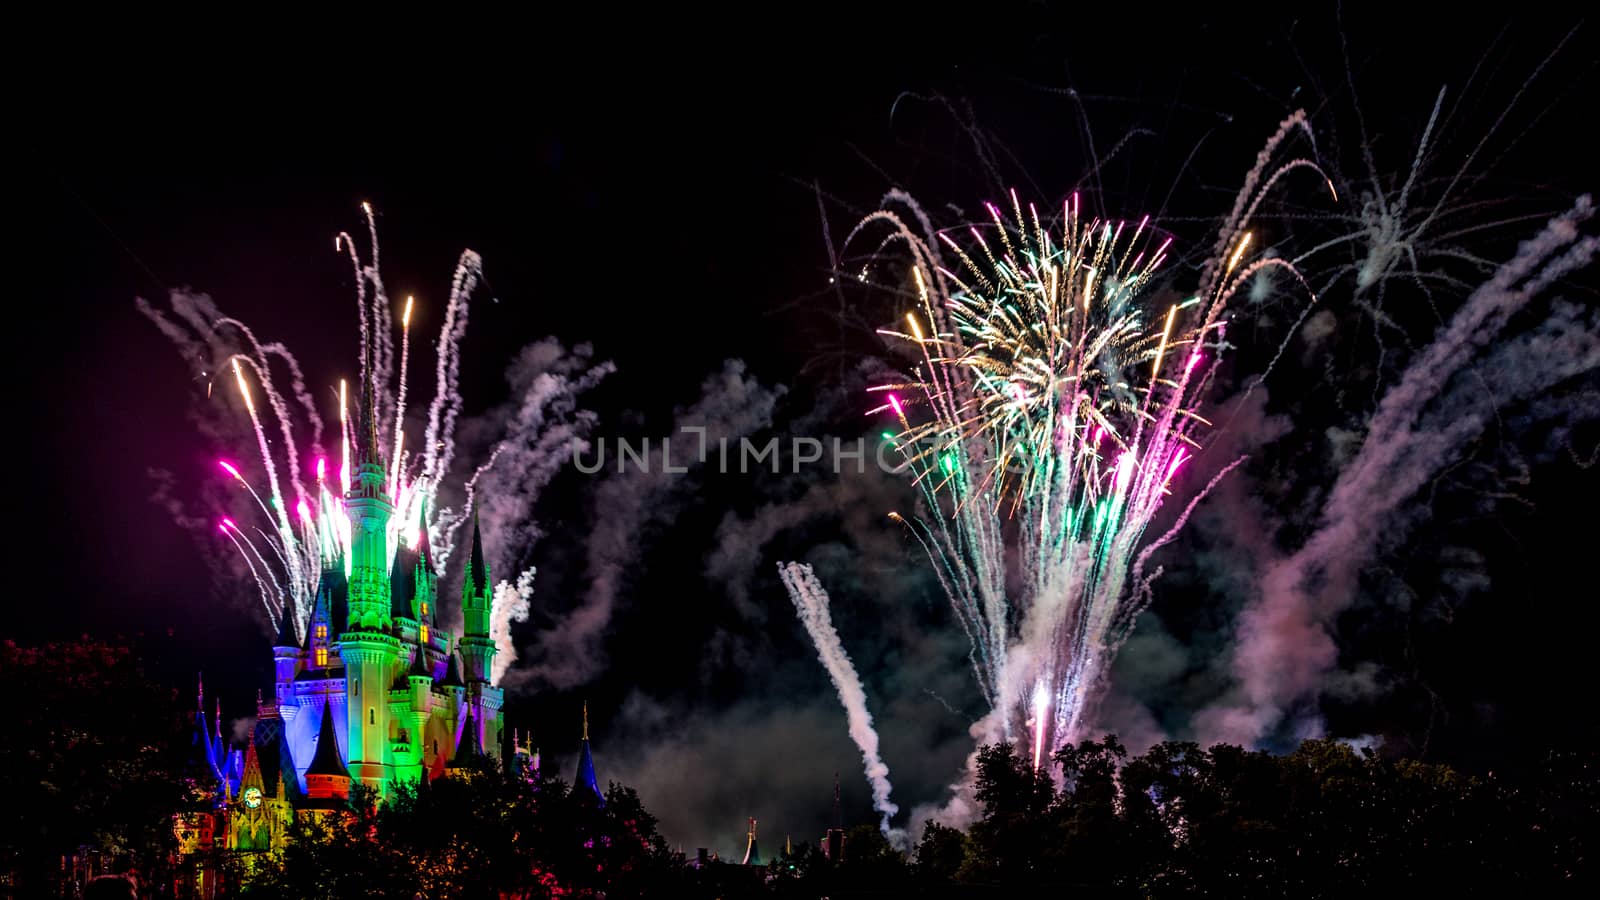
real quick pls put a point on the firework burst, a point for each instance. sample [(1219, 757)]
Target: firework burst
[(1051, 408)]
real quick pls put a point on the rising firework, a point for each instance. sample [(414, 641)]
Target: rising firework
[(297, 479), (1049, 415)]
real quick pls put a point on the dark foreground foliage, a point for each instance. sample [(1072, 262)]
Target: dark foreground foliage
[(100, 759), (1177, 821)]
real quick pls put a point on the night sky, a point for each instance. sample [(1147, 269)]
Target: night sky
[(658, 198)]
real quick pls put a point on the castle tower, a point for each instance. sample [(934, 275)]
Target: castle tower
[(477, 601), (427, 585), (285, 656), (327, 780), (370, 652), (587, 780)]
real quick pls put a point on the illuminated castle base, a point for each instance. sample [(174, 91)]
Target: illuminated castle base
[(374, 693)]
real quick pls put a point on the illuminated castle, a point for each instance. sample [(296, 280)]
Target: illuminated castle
[(375, 693)]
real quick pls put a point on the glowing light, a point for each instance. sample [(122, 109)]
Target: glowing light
[(1125, 470), (228, 467), (1243, 243), (1041, 706), (1023, 377)]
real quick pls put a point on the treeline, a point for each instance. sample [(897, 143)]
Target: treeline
[(1176, 821), (99, 757), (1324, 821)]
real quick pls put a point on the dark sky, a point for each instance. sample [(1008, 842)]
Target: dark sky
[(679, 161)]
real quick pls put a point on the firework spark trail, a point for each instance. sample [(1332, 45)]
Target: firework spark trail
[(280, 408), (438, 445), (286, 531), (811, 603), (1045, 419), (322, 533), (266, 598), (1420, 426), (400, 391)]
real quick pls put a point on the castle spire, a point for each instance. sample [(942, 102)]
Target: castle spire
[(586, 774), (477, 568), (252, 767), (286, 636), (477, 609), (367, 443), (424, 547)]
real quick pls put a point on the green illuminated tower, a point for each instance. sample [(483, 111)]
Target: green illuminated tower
[(477, 600), (368, 647)]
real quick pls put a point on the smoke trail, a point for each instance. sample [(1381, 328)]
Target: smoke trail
[(732, 405), (438, 446), (511, 604), (811, 603), (529, 437), (1423, 422)]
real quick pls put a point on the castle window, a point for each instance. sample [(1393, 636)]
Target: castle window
[(424, 633), (322, 656), (424, 607), (372, 716), (322, 632)]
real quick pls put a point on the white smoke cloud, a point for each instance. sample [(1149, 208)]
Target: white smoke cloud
[(1445, 398), (733, 404)]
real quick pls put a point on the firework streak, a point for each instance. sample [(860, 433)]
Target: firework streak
[(306, 525), (811, 603), (1049, 413)]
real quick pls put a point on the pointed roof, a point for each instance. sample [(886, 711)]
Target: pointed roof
[(477, 580), (367, 443), (333, 601), (586, 774), (252, 767), (403, 584), (452, 673), (424, 548), (205, 749), (469, 748), (419, 666), (326, 760), (286, 637)]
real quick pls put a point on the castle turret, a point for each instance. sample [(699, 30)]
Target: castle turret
[(469, 749), (426, 581), (285, 654), (587, 780), (370, 652), (477, 600), (327, 779), (369, 508)]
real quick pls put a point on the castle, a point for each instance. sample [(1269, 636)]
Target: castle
[(375, 693)]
